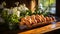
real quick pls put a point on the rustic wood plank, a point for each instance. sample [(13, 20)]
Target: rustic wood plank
[(42, 30)]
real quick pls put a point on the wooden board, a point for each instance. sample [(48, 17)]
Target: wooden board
[(42, 30)]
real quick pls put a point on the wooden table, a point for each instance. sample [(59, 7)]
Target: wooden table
[(39, 30), (42, 30)]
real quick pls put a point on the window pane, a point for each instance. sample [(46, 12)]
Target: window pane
[(47, 5)]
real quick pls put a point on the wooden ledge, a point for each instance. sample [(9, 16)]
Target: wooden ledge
[(44, 29)]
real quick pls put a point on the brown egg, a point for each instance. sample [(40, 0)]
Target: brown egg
[(53, 18), (38, 18), (21, 23), (28, 24), (29, 19), (41, 18), (23, 19), (34, 21), (44, 20), (47, 19)]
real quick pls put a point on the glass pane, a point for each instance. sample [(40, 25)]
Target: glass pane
[(47, 5), (53, 6)]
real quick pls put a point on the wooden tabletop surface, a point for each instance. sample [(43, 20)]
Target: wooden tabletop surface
[(39, 30), (42, 30)]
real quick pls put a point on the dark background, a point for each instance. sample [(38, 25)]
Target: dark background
[(58, 8), (10, 3)]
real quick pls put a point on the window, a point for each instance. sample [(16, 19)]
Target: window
[(47, 5)]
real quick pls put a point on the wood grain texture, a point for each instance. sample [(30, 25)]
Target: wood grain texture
[(42, 30)]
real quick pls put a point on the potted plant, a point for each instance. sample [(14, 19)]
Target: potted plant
[(10, 19), (13, 21)]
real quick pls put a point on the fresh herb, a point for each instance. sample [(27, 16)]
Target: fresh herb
[(9, 17)]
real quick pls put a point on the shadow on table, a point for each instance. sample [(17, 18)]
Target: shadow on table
[(53, 32)]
